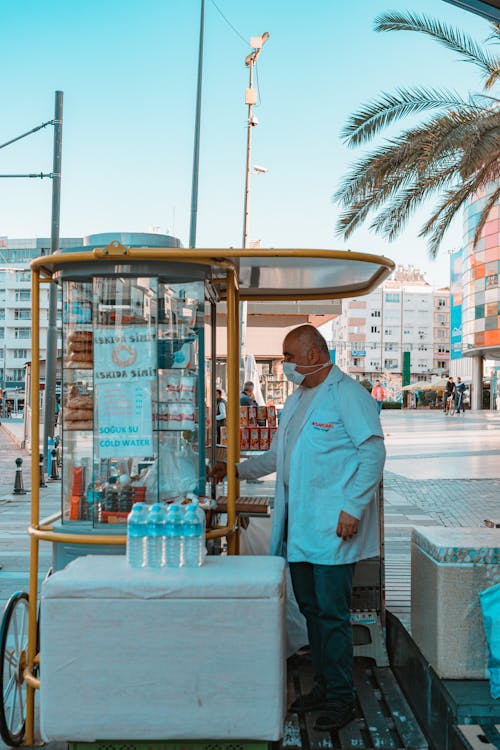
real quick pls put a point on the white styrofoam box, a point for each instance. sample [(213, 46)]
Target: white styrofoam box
[(163, 654), (449, 566)]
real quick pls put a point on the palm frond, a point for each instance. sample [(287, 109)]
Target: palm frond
[(494, 35), (352, 217), (437, 142), (482, 147), (437, 224), (363, 125), (453, 39), (492, 78), (393, 218)]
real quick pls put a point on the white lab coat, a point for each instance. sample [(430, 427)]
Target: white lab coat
[(323, 465)]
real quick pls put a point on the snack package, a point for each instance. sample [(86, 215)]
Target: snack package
[(223, 436), (261, 416), (272, 433), (271, 416), (252, 416), (244, 438), (243, 416), (264, 440), (78, 485), (255, 438)]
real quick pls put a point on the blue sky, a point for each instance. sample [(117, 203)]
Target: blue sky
[(128, 72)]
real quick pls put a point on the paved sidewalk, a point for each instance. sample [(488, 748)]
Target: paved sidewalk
[(439, 471)]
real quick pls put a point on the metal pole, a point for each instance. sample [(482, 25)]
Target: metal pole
[(243, 305), (196, 152), (248, 160), (51, 359)]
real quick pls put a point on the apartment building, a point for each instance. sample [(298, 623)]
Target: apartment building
[(405, 314)]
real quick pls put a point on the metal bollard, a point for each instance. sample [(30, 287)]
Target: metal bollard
[(54, 474), (18, 481), (42, 472)]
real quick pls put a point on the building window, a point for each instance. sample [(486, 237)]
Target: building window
[(441, 364), (375, 364), (389, 347), (23, 276), (390, 364), (2, 313), (18, 374), (22, 333), (21, 353), (392, 297), (2, 333), (376, 314), (375, 329), (442, 350), (23, 295), (356, 362), (441, 303), (422, 348), (492, 281), (22, 314), (388, 332)]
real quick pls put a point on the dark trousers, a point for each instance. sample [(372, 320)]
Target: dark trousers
[(324, 594)]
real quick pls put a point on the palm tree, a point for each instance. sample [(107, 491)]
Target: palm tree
[(454, 153)]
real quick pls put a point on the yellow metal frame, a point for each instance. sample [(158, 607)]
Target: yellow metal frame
[(43, 270)]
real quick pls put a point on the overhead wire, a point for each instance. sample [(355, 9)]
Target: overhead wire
[(229, 22), (231, 26)]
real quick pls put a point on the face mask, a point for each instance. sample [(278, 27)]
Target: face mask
[(291, 374)]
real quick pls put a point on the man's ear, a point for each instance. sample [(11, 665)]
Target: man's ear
[(314, 355)]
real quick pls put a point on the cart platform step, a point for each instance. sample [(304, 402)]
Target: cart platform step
[(384, 720)]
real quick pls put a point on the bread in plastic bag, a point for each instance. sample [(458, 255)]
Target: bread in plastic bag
[(255, 540), (174, 472)]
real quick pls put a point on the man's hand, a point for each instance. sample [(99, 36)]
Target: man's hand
[(218, 471), (347, 526)]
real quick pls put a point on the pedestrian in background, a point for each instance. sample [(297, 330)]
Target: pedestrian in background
[(449, 393), (246, 396), (460, 389), (328, 454), (378, 394), (220, 415)]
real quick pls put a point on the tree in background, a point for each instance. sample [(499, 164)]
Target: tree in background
[(453, 154)]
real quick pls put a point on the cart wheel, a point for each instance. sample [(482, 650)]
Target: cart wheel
[(13, 652)]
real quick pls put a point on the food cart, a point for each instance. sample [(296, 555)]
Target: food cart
[(136, 324)]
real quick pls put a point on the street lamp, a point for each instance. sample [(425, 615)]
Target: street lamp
[(257, 42)]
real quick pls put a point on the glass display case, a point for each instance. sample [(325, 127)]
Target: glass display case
[(132, 395)]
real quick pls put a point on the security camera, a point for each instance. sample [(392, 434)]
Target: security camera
[(260, 169)]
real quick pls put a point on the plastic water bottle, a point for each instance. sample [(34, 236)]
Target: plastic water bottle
[(203, 540), (192, 535), (137, 530), (156, 537), (174, 531)]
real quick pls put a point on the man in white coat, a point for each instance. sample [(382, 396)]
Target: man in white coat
[(328, 454)]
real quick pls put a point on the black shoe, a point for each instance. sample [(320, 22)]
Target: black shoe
[(336, 716), (315, 699)]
